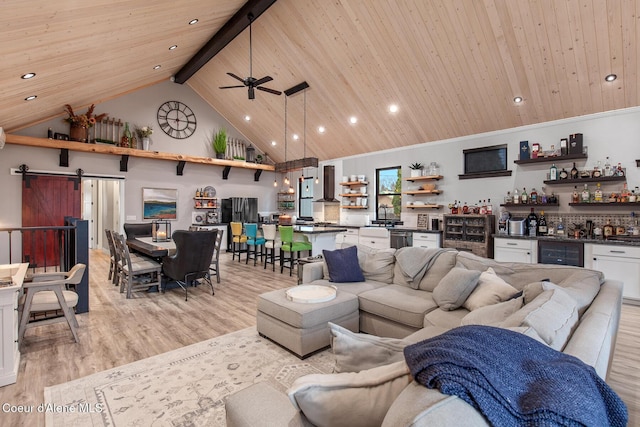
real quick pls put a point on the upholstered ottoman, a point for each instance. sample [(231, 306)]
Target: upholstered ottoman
[(302, 327)]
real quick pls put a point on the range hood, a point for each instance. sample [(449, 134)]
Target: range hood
[(328, 185)]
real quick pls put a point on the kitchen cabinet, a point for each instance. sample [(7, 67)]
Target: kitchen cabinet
[(426, 240), (9, 346), (374, 237), (471, 233), (349, 237), (617, 262), (515, 250), (354, 194)]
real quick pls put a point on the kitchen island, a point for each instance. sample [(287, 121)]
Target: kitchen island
[(321, 237)]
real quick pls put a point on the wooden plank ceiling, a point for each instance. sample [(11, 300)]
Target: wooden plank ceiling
[(453, 67)]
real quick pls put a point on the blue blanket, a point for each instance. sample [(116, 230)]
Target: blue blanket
[(514, 380)]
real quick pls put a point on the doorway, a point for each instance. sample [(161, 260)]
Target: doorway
[(102, 207)]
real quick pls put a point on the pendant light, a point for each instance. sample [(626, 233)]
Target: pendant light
[(304, 131), (286, 175)]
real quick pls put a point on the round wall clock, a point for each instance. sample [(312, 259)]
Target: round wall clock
[(176, 119)]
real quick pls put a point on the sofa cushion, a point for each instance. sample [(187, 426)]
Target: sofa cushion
[(357, 352), (445, 261), (349, 398), (491, 289), (582, 286), (493, 314), (376, 264), (398, 303), (445, 318), (455, 287), (343, 265), (354, 288), (553, 314)]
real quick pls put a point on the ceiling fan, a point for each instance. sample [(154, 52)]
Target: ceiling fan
[(251, 82)]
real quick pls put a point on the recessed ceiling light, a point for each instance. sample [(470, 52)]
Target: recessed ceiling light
[(28, 76), (273, 143), (247, 118), (353, 120), (30, 98), (193, 21), (295, 137), (517, 99), (173, 47), (321, 129), (157, 67), (611, 77), (393, 108)]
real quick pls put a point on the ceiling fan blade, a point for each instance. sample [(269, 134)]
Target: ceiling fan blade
[(266, 89), (230, 87), (236, 77), (252, 93), (262, 81)]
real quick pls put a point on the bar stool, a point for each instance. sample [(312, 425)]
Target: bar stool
[(253, 241), (237, 240), (292, 246), (272, 243)]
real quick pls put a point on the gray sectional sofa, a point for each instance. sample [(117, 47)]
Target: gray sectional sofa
[(414, 293)]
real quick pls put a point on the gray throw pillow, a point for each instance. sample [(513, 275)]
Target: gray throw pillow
[(454, 288), (356, 352)]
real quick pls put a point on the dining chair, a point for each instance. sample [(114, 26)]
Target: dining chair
[(136, 272), (47, 300), (215, 260), (237, 240), (144, 229), (192, 259), (271, 244), (113, 260), (253, 241), (291, 246)]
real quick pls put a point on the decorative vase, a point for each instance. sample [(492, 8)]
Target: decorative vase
[(78, 133), (416, 173), (145, 143), (219, 155)]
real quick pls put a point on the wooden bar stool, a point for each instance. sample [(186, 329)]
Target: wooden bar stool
[(238, 238)]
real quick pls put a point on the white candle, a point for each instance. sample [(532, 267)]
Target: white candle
[(162, 235)]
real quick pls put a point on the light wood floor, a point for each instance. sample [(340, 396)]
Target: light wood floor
[(117, 331)]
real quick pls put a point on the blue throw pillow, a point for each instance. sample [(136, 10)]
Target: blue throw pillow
[(343, 265)]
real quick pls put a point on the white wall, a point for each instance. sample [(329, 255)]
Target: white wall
[(615, 134), (140, 108)]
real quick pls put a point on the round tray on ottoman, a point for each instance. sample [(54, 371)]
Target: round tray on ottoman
[(310, 294)]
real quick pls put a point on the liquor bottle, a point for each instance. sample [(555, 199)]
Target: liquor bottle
[(516, 197), (126, 136), (574, 171), (532, 222), (543, 197), (607, 230), (524, 197), (508, 198), (198, 192), (607, 168), (50, 133), (624, 195), (575, 198), (489, 207), (483, 208), (564, 174), (632, 197), (586, 195), (597, 195), (619, 170), (533, 196), (542, 225), (560, 228), (553, 172), (620, 229), (597, 171), (465, 208)]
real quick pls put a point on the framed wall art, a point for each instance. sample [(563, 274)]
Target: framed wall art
[(159, 203)]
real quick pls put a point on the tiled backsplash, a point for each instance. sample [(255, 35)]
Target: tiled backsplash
[(599, 219)]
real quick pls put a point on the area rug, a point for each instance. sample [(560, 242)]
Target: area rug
[(184, 387)]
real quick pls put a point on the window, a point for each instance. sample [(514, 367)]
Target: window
[(305, 198), (388, 193)]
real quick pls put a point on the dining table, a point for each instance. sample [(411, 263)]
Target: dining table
[(146, 246)]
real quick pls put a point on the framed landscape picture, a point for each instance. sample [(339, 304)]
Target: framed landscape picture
[(159, 203)]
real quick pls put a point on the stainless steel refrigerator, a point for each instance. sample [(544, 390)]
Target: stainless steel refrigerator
[(238, 209)]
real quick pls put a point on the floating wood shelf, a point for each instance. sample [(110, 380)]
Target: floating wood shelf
[(423, 206), (606, 204), (354, 183), (551, 159), (125, 153), (584, 180), (354, 195), (354, 207), (537, 205), (424, 178), (420, 192)]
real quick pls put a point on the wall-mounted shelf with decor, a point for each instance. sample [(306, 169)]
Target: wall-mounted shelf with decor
[(423, 178), (354, 183), (125, 153), (355, 198), (603, 179), (421, 192), (205, 203), (430, 206), (606, 204), (353, 207), (551, 159), (527, 206)]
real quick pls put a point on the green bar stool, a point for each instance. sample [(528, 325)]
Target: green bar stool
[(291, 246)]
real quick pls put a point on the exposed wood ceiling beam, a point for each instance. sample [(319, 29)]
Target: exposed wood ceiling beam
[(224, 36)]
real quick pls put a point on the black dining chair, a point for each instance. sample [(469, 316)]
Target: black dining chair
[(191, 261), (138, 230)]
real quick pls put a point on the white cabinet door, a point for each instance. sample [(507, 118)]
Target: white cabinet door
[(426, 240), (617, 263), (515, 250)]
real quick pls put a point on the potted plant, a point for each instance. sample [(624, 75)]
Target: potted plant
[(259, 159), (219, 143), (416, 169)]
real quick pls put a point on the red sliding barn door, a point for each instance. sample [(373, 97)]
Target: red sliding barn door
[(46, 201)]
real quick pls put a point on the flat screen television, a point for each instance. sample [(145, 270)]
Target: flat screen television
[(485, 159)]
